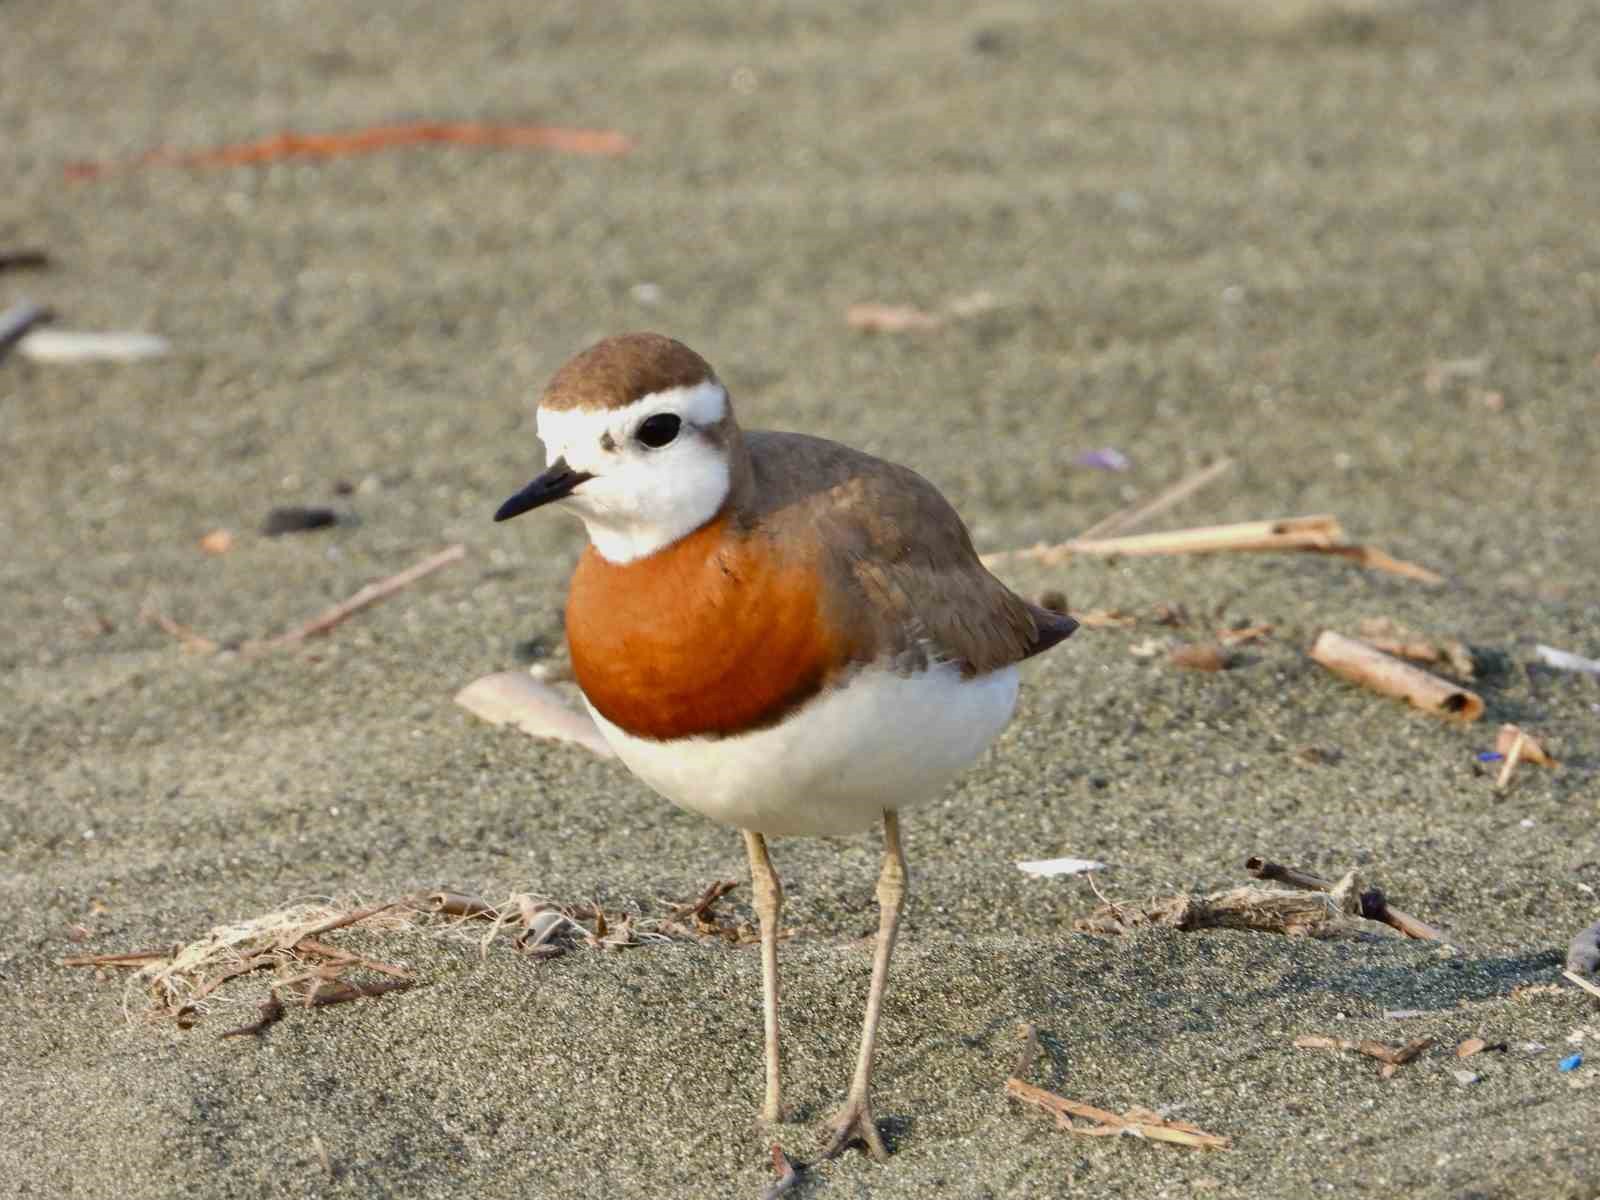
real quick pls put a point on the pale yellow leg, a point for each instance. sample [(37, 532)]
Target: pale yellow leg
[(768, 893), (855, 1118)]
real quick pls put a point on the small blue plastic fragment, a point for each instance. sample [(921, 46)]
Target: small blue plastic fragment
[(1571, 1063), (1489, 756)]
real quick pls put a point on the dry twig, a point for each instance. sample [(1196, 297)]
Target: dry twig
[(364, 598), (1374, 906), (1136, 1122)]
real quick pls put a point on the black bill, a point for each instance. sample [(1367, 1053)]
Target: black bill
[(557, 481)]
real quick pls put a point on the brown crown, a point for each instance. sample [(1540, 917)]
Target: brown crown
[(619, 370)]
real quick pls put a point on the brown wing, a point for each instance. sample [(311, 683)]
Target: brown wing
[(902, 573)]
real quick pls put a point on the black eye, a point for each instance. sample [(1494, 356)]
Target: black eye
[(660, 429)]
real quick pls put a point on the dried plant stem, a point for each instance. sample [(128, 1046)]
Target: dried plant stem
[(1374, 905), (1132, 517), (1360, 663), (365, 598)]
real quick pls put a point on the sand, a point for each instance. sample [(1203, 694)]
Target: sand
[(1350, 245)]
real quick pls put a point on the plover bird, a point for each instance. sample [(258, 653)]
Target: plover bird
[(776, 631)]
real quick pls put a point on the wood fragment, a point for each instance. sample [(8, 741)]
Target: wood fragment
[(191, 640), (1585, 984), (271, 1010), (294, 937), (364, 598), (1249, 633), (1374, 904), (130, 959), (1531, 750), (1513, 755), (1262, 910), (218, 541), (1132, 517), (342, 993), (1200, 656), (1106, 618), (1358, 662), (890, 318), (1137, 1122), (339, 955), (1471, 1046), (1390, 1056), (787, 1179), (454, 904), (292, 144)]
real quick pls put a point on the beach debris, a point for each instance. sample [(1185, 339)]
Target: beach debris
[(1466, 1078), (1570, 1063), (874, 317), (1477, 1045), (1318, 756), (1049, 868), (1320, 534), (294, 518), (1565, 660), (1392, 1058), (294, 145), (1243, 634), (1127, 519), (1387, 635), (365, 598), (1263, 910), (1370, 904), (516, 698), (1585, 984), (890, 318), (218, 541), (24, 260), (67, 346), (180, 982), (18, 321), (1169, 612), (1107, 458), (1152, 647), (1106, 618), (1583, 952), (1135, 1122), (788, 1177), (1517, 747), (1358, 662), (1200, 656), (190, 639), (321, 624)]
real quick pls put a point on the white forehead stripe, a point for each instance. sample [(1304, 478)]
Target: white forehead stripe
[(575, 433)]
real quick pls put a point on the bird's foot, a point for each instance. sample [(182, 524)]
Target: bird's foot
[(854, 1122)]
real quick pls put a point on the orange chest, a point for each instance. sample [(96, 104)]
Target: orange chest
[(713, 635)]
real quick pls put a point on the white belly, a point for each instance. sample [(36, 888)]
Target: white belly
[(881, 741)]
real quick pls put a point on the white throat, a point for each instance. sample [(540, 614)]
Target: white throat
[(641, 500)]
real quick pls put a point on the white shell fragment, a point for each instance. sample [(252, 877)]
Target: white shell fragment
[(1046, 868), (516, 698), (1561, 660), (73, 346)]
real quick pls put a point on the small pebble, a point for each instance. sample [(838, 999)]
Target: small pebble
[(1466, 1078), (294, 519)]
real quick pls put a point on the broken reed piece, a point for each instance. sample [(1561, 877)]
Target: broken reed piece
[(1358, 662), (1136, 1122), (364, 598), (1518, 746), (1586, 985), (1318, 534), (1130, 518), (1374, 906), (1392, 1057)]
